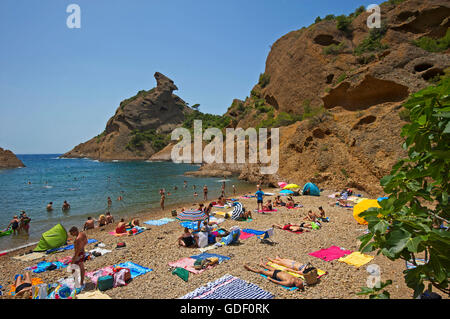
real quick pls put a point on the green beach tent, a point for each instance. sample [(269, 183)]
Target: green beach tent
[(53, 238)]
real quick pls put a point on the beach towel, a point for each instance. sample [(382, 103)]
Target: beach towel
[(44, 265), (356, 259), (159, 222), (68, 247), (96, 294), (34, 282), (206, 255), (265, 211), (244, 235), (137, 231), (94, 275), (229, 287), (182, 273), (253, 231), (285, 287), (295, 207), (332, 253), (320, 272), (188, 264), (202, 250), (135, 269), (101, 251), (30, 257), (419, 262)]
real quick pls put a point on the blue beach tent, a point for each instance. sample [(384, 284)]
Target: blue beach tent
[(313, 189)]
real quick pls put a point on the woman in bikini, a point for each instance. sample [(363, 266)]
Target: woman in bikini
[(277, 276), (187, 239), (294, 266), (23, 286)]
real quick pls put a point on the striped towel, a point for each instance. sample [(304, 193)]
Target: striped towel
[(229, 287), (419, 262)]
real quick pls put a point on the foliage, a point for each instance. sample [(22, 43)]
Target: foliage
[(195, 106), (264, 80), (341, 78), (408, 222), (344, 23), (432, 45), (283, 119), (372, 42), (318, 19), (334, 49), (208, 120), (404, 115), (131, 99), (138, 138), (373, 292)]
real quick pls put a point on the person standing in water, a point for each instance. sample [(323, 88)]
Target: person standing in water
[(163, 198), (109, 202), (50, 207), (205, 192), (234, 190), (65, 206), (14, 224), (24, 222)]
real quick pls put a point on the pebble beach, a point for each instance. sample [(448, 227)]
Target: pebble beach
[(157, 246)]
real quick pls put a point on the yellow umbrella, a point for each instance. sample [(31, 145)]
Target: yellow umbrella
[(362, 206), (291, 186)]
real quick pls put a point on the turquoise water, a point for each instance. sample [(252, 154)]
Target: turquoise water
[(86, 184)]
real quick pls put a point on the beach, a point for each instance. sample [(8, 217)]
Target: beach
[(156, 247)]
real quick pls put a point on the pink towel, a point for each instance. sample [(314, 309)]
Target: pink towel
[(267, 211), (94, 275), (331, 253), (188, 264), (245, 235)]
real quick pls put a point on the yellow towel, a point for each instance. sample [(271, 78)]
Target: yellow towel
[(356, 259), (96, 294), (223, 213), (320, 272), (29, 257)]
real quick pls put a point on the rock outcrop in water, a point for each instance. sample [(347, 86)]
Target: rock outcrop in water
[(140, 126), (9, 160)]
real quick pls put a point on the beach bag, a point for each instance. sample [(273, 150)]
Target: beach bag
[(202, 239), (105, 283), (310, 275)]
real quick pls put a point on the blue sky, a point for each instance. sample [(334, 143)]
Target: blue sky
[(59, 86)]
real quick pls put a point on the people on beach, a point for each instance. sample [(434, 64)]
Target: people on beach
[(65, 206), (89, 224), (134, 222), (277, 276), (163, 198), (221, 201), (79, 253), (293, 227), (14, 224), (294, 266), (205, 192), (109, 218), (187, 239), (24, 222), (109, 202), (259, 198), (268, 206), (279, 201), (50, 206), (102, 221), (23, 286), (121, 227), (234, 190)]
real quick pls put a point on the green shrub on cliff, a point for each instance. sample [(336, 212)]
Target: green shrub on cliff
[(432, 45), (139, 138), (264, 80), (372, 43), (334, 49)]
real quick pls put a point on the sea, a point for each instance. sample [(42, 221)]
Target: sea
[(86, 184)]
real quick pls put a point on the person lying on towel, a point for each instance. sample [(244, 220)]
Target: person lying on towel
[(293, 227), (277, 276), (279, 202), (268, 207), (292, 265)]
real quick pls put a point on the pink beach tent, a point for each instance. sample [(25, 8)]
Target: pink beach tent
[(282, 184)]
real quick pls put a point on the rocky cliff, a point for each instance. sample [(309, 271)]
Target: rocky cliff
[(140, 127), (9, 160), (336, 89)]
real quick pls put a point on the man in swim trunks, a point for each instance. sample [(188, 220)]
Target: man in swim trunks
[(277, 276), (14, 224), (89, 224), (78, 256), (259, 198)]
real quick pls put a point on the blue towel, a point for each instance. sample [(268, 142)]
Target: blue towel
[(207, 255), (159, 222), (90, 241), (252, 231), (43, 265), (135, 269)]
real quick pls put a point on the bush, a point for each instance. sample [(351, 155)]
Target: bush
[(344, 24), (318, 19), (372, 43), (341, 78), (334, 49), (139, 138), (432, 45), (264, 80), (208, 121), (408, 224)]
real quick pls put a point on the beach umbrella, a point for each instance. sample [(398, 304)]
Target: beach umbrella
[(362, 206), (282, 184), (191, 216), (291, 186), (286, 192), (237, 210)]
